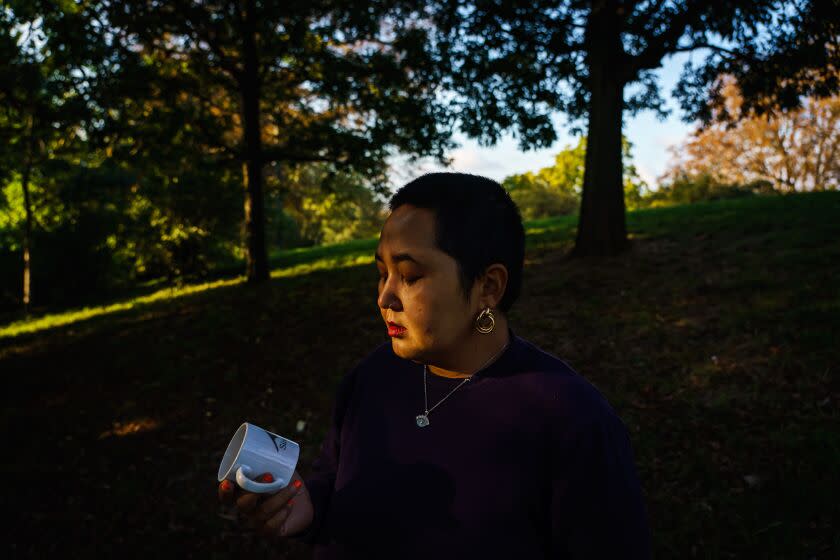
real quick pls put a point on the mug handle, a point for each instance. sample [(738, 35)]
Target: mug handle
[(250, 485)]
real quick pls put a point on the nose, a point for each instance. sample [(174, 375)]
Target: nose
[(387, 298)]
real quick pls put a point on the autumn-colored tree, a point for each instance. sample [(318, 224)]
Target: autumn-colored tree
[(796, 149)]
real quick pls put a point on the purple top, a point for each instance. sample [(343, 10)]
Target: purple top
[(526, 460)]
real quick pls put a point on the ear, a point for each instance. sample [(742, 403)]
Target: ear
[(493, 285)]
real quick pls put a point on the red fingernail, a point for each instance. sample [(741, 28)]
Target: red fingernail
[(267, 477), (297, 483), (226, 485)]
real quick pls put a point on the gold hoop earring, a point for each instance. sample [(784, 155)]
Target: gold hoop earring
[(486, 322)]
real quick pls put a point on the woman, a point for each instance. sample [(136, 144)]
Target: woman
[(458, 438)]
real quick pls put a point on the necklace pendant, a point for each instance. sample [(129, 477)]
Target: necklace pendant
[(422, 420)]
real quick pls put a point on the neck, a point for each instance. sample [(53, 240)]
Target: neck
[(473, 354)]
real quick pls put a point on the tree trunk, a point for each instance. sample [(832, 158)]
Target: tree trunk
[(602, 229), (27, 236), (257, 259)]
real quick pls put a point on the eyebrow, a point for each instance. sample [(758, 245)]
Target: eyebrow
[(399, 257)]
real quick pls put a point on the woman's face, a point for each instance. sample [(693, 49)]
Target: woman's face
[(420, 295)]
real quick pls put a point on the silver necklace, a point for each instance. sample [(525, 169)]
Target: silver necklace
[(423, 419)]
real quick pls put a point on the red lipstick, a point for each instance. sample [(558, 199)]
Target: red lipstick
[(395, 330)]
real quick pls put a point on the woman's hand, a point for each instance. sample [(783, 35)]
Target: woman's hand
[(284, 513)]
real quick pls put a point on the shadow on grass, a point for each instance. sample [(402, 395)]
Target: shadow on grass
[(715, 344)]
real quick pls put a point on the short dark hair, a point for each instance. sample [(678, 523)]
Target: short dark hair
[(477, 224)]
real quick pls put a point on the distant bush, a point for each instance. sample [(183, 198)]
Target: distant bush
[(101, 230), (316, 204), (688, 189), (557, 190), (540, 200), (104, 229)]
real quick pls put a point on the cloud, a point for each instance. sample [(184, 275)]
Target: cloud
[(666, 141), (481, 161), (646, 174)]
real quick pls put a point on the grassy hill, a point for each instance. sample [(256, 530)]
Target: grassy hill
[(715, 338)]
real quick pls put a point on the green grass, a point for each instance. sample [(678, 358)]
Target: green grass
[(714, 337)]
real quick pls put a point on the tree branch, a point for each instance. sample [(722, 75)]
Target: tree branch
[(666, 42), (275, 153), (710, 46), (230, 151)]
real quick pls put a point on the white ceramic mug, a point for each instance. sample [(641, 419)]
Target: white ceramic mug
[(253, 451)]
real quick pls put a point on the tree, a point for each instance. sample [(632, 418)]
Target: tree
[(44, 99), (259, 82), (514, 62), (796, 149), (328, 206)]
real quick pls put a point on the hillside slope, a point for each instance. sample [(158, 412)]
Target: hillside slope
[(715, 338)]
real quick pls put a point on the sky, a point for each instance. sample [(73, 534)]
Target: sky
[(650, 137)]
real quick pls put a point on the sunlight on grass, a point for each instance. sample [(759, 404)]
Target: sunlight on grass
[(324, 264), (61, 319), (136, 426), (66, 318), (537, 231)]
